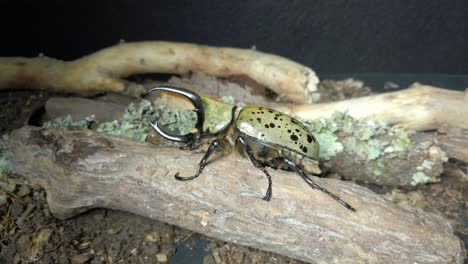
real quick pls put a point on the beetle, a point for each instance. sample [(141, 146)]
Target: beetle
[(267, 137)]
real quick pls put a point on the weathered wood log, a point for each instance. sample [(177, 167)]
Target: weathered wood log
[(105, 69), (420, 107), (363, 151), (80, 170)]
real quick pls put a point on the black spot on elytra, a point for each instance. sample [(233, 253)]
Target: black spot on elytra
[(293, 121), (309, 138), (263, 135), (270, 111), (279, 126), (262, 112), (266, 126), (272, 125), (297, 130), (281, 119), (251, 119), (289, 130), (294, 138), (261, 108), (275, 118), (259, 120)]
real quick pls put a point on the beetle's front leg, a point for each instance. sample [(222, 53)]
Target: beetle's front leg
[(213, 146), (191, 146), (257, 164)]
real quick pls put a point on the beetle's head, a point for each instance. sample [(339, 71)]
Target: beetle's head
[(213, 117)]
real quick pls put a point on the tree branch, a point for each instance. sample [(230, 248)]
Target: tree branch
[(104, 70)]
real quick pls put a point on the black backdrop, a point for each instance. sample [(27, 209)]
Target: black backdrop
[(336, 36)]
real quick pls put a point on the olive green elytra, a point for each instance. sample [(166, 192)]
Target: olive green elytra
[(267, 137), (274, 127)]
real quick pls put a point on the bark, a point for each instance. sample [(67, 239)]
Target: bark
[(105, 69), (81, 170)]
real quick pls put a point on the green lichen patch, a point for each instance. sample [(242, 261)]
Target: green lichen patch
[(5, 155), (324, 133), (426, 165), (402, 142), (419, 178), (135, 122), (329, 146), (67, 121), (370, 140), (230, 100), (137, 117), (227, 99)]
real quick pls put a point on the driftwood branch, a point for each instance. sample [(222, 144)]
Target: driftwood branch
[(105, 69), (81, 170), (420, 107)]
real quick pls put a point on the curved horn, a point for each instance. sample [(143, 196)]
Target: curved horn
[(197, 103), (183, 138)]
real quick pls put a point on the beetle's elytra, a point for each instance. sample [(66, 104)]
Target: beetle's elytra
[(267, 137)]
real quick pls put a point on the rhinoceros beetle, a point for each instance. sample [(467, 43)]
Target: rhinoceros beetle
[(267, 137)]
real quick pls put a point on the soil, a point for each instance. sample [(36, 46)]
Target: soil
[(30, 234)]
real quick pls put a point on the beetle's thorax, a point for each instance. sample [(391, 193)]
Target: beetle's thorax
[(218, 116)]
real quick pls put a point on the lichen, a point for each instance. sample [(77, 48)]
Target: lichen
[(374, 149), (402, 142), (6, 166), (227, 99), (230, 100), (329, 145), (67, 121), (419, 177), (367, 139), (324, 133), (137, 117), (425, 165)]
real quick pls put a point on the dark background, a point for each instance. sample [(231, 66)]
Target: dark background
[(332, 37)]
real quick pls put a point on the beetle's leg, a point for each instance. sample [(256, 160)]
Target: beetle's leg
[(191, 146), (257, 164), (312, 184), (213, 146)]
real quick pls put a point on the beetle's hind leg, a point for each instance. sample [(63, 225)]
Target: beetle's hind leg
[(213, 146), (257, 164), (312, 184)]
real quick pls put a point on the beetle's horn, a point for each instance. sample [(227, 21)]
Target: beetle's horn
[(196, 101)]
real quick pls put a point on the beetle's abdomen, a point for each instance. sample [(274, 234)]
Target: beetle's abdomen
[(268, 154), (275, 128)]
